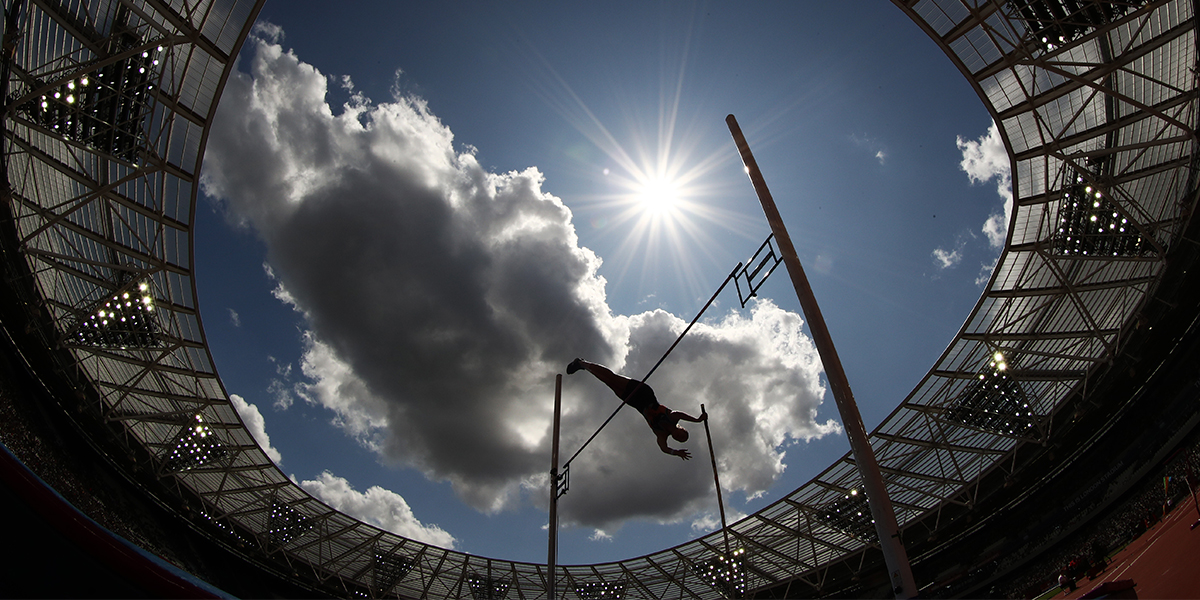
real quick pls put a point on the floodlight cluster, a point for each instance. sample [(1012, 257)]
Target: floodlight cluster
[(105, 108), (995, 402), (487, 588), (390, 568), (726, 574), (850, 514), (600, 590), (195, 446), (286, 524), (223, 527), (125, 320), (1054, 23), (1090, 224)]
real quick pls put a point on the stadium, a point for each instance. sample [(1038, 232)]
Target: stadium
[(1043, 433)]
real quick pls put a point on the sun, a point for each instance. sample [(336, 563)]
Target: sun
[(658, 197)]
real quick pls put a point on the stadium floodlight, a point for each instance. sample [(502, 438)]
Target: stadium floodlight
[(1053, 23), (994, 402), (222, 526), (389, 569), (105, 109), (124, 319), (726, 574), (600, 590), (850, 514), (286, 524), (1090, 224), (195, 446), (487, 588)]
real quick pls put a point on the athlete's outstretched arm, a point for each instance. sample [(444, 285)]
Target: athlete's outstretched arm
[(662, 445)]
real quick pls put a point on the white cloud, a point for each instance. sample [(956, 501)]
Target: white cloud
[(280, 388), (257, 425), (379, 507), (872, 145), (234, 318), (711, 521), (269, 31), (440, 299), (823, 263), (985, 273), (983, 160), (599, 535), (947, 258)]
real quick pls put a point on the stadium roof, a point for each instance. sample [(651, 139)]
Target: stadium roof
[(108, 104)]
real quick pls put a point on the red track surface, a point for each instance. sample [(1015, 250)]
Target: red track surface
[(1163, 563)]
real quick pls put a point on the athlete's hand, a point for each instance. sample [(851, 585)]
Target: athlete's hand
[(703, 414), (683, 453)]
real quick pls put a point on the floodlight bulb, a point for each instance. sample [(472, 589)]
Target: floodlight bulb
[(998, 357), (83, 81)]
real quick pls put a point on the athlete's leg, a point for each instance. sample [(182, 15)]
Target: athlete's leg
[(619, 384)]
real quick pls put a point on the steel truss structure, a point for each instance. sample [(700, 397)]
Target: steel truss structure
[(107, 105)]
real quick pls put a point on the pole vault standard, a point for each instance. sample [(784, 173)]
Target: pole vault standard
[(886, 528), (712, 455), (551, 579)]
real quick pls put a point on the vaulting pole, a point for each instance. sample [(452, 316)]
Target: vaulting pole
[(903, 583), (717, 480), (551, 566)]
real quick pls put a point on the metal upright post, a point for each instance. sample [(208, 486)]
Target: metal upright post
[(717, 480), (894, 555), (553, 528)]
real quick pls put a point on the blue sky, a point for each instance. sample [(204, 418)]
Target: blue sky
[(416, 213)]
